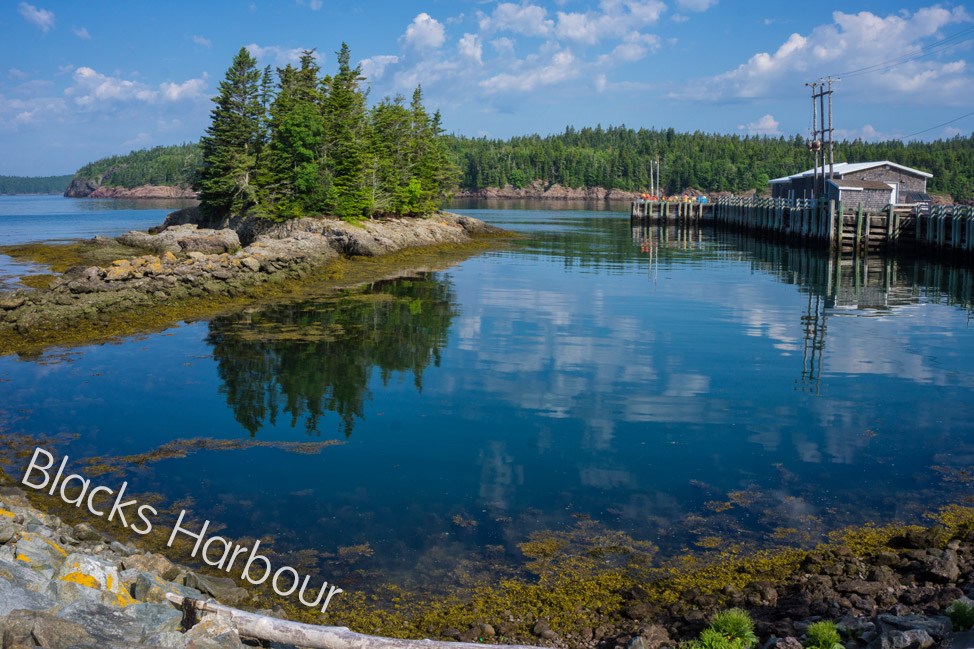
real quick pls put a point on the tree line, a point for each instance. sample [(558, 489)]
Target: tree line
[(33, 184), (620, 157), (174, 165), (389, 172), (297, 143)]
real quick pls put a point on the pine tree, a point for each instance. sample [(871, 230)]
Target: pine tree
[(294, 184), (233, 140), (345, 141)]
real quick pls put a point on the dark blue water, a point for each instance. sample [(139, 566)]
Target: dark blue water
[(675, 386)]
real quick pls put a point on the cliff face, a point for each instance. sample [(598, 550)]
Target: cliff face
[(92, 188)]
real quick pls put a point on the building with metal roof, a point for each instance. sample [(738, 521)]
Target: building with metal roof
[(875, 184)]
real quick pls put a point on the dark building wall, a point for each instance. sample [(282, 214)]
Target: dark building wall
[(801, 186), (872, 199), (907, 181)]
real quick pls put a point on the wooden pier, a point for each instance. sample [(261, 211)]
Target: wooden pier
[(848, 229), (670, 211)]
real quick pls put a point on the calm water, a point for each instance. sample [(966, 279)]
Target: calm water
[(676, 386), (25, 219)]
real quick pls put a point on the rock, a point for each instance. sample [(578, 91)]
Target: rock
[(40, 553), (196, 255), (16, 594), (655, 636), (7, 532), (10, 302), (788, 642), (108, 624), (150, 587), (963, 640), (943, 568), (909, 632), (93, 573), (214, 632), (224, 589), (860, 587), (155, 618), (29, 629), (250, 263), (854, 626), (85, 532), (148, 563)]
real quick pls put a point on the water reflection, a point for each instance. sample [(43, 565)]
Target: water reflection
[(307, 358)]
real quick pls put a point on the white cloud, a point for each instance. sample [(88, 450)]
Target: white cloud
[(202, 41), (679, 18), (92, 88), (16, 113), (503, 46), (470, 47), (81, 32), (766, 125), (189, 89), (851, 42), (313, 5), (375, 67), (529, 20), (15, 73), (695, 5), (562, 67), (41, 18), (867, 133), (614, 19), (64, 69), (281, 56), (425, 32)]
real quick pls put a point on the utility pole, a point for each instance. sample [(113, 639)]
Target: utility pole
[(820, 90), (831, 147), (815, 144)]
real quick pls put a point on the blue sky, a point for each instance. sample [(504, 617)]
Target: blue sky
[(82, 80)]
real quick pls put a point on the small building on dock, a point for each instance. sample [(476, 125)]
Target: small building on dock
[(875, 184)]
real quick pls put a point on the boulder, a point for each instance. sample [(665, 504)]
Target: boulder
[(224, 589), (29, 629)]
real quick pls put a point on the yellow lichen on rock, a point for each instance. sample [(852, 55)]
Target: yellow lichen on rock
[(81, 579), (4, 512)]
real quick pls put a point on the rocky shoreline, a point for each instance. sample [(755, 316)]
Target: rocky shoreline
[(539, 190), (90, 188), (190, 257), (72, 586), (64, 585)]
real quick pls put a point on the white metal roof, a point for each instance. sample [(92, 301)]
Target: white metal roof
[(843, 168)]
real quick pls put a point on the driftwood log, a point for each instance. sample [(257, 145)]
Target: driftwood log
[(316, 637)]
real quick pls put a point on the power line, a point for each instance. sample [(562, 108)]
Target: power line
[(933, 128)]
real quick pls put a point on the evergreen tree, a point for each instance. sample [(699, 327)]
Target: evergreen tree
[(345, 141), (233, 140), (293, 185)]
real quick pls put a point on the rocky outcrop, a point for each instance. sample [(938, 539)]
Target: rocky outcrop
[(69, 586), (92, 188), (539, 190), (188, 261)]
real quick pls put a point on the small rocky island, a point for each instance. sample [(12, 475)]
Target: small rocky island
[(192, 257)]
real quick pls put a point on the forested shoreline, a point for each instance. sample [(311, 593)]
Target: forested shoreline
[(617, 158), (10, 185)]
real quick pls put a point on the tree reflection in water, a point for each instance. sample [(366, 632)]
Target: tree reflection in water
[(310, 357)]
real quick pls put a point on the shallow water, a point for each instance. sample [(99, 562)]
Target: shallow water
[(27, 219), (686, 388)]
